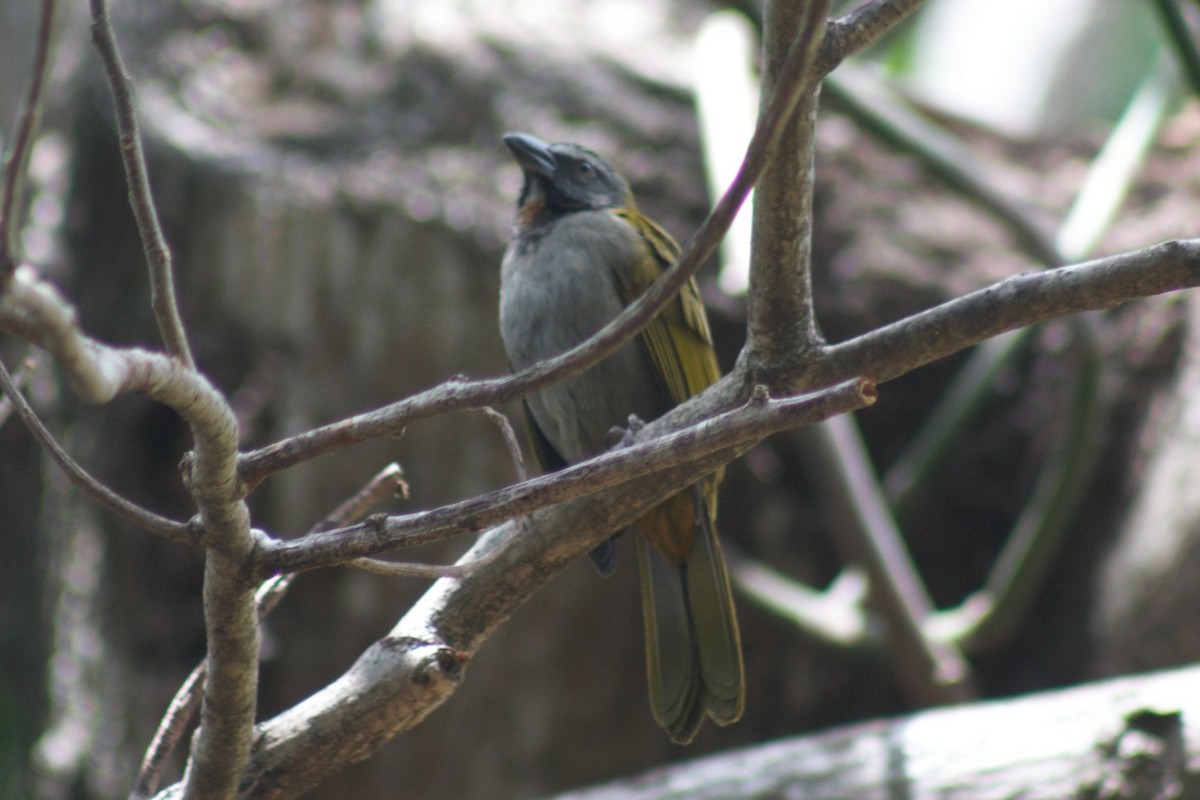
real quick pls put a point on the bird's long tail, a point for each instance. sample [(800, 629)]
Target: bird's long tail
[(693, 649)]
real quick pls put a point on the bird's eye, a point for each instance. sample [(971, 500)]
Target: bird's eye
[(585, 168)]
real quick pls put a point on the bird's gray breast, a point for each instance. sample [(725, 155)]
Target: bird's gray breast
[(557, 288)]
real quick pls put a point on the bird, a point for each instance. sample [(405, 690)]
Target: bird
[(579, 253)]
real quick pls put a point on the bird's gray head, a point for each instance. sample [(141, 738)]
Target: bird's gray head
[(566, 177)]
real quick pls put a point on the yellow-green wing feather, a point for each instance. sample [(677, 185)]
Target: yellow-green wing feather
[(678, 340)]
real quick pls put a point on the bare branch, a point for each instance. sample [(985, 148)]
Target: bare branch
[(1016, 302), (510, 441), (700, 448), (399, 680), (861, 28), (141, 200), (782, 328), (171, 729), (221, 748), (402, 569), (17, 160), (81, 478), (182, 709), (386, 483), (34, 309), (19, 380)]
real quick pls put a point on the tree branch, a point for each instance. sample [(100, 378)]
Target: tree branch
[(141, 200), (1131, 737), (782, 328), (16, 161), (861, 28), (100, 494), (700, 448), (268, 595), (1016, 302), (399, 680), (34, 309)]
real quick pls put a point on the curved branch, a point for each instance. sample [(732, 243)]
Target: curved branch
[(36, 311), (101, 494)]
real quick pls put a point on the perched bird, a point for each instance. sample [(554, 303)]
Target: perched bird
[(580, 252)]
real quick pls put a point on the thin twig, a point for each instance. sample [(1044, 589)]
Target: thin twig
[(16, 162), (19, 379), (171, 730), (386, 483), (396, 569), (510, 441), (98, 492), (861, 28), (141, 199)]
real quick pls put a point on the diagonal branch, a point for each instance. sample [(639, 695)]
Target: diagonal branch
[(17, 160), (399, 680), (141, 200), (101, 494), (1015, 302), (701, 447), (861, 28)]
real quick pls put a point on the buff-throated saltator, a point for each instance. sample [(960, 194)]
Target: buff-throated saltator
[(580, 252)]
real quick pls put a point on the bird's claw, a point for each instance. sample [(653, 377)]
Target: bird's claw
[(623, 437)]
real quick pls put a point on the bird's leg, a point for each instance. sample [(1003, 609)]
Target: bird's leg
[(619, 437)]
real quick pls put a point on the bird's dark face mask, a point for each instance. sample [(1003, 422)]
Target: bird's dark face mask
[(566, 177)]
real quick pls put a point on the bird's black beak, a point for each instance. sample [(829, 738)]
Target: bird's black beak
[(531, 153)]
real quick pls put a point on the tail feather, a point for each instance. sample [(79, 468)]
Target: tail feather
[(671, 665), (717, 639), (693, 649)]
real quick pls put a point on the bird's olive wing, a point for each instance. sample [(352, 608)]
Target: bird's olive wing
[(678, 340)]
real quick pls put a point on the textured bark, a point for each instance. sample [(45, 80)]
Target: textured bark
[(1131, 738)]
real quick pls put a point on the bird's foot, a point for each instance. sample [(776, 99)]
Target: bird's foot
[(623, 437)]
